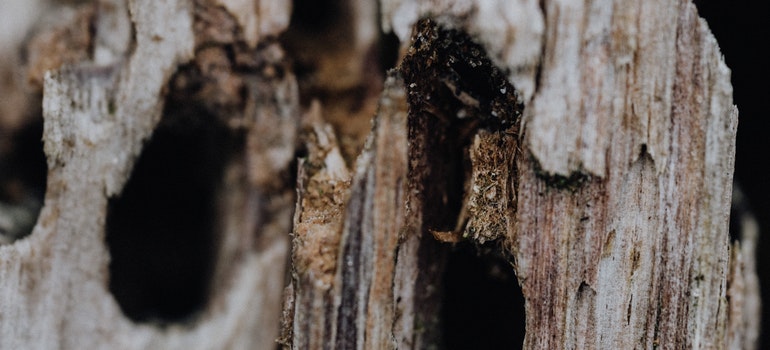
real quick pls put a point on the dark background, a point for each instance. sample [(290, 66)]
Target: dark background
[(741, 30)]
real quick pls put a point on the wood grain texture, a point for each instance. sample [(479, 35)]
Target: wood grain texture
[(98, 115), (590, 144), (355, 258), (620, 234)]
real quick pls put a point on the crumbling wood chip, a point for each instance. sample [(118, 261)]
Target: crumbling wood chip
[(323, 183)]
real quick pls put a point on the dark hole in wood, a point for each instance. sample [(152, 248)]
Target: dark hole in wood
[(318, 15), (317, 29), (388, 47), (453, 91), (162, 229), (23, 173), (444, 184), (483, 305)]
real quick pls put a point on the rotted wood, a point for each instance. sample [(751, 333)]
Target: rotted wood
[(619, 187), (100, 108), (590, 145)]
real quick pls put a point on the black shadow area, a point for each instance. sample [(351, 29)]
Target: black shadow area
[(161, 230), (483, 306)]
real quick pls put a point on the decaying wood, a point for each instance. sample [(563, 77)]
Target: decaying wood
[(322, 183), (619, 232), (590, 144), (99, 112), (743, 283)]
